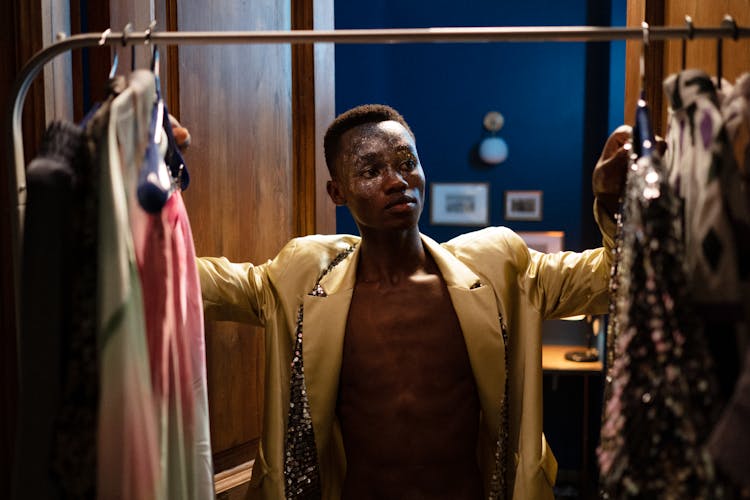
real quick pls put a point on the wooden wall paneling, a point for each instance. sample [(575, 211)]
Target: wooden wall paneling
[(167, 11), (20, 39), (139, 13), (313, 108), (651, 11), (58, 91), (236, 102), (666, 59), (702, 53)]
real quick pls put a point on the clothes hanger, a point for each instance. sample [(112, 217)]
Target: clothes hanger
[(154, 181), (730, 23), (173, 156), (643, 134), (115, 58), (690, 35)]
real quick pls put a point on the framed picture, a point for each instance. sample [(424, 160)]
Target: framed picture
[(544, 241), (460, 204), (523, 205)]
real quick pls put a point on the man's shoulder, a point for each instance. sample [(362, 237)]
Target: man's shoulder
[(489, 249), (490, 238), (309, 253), (322, 244)]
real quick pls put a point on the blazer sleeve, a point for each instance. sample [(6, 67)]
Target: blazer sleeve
[(241, 292), (568, 283)]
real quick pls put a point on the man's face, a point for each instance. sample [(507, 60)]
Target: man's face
[(379, 176)]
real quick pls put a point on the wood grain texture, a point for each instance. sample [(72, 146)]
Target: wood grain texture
[(702, 53), (325, 110), (236, 102), (667, 59), (652, 12), (313, 108)]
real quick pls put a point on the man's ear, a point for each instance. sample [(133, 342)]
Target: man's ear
[(335, 193)]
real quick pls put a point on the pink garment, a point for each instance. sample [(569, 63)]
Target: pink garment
[(188, 315), (174, 325), (127, 437)]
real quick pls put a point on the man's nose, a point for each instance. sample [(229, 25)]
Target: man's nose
[(394, 179)]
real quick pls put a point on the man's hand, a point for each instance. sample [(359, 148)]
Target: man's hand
[(608, 179), (181, 134), (610, 172)]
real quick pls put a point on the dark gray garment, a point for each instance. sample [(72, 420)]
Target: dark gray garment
[(45, 307)]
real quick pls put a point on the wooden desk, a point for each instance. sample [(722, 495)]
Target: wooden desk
[(553, 360), (554, 363)]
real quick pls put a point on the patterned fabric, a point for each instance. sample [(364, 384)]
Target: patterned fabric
[(697, 153), (301, 472), (706, 156), (498, 481), (661, 394)]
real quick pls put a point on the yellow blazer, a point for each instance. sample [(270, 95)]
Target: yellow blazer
[(494, 281)]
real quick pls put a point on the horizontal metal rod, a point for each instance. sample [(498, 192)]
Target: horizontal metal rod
[(429, 35), (361, 36)]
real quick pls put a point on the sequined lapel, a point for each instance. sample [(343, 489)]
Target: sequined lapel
[(326, 310)]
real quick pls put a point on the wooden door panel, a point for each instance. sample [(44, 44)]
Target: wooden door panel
[(665, 58), (236, 102)]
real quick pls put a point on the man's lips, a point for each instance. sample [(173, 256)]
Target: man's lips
[(401, 200)]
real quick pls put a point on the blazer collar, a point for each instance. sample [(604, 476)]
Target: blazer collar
[(342, 277), (324, 325)]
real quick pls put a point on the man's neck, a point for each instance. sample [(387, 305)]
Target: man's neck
[(388, 258)]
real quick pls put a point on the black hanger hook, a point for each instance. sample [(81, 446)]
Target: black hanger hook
[(125, 32), (730, 23), (690, 36)]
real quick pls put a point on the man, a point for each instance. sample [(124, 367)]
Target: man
[(398, 367)]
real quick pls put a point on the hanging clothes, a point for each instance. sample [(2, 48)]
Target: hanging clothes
[(128, 467), (659, 387), (704, 164), (188, 317), (730, 440), (735, 110), (46, 322), (174, 321), (696, 149)]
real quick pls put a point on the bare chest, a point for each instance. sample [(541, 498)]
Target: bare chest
[(410, 331)]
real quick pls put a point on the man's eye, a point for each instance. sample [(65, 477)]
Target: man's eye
[(409, 164), (369, 172)]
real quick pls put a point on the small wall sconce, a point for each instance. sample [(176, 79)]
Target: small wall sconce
[(492, 149)]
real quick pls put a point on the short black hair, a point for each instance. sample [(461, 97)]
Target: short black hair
[(365, 113)]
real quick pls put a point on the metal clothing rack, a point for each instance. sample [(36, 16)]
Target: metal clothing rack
[(17, 177)]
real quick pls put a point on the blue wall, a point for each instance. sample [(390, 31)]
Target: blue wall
[(444, 91)]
